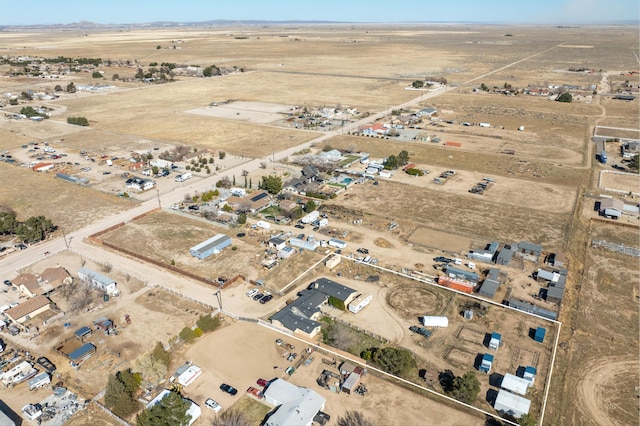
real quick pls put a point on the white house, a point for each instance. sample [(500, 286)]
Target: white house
[(102, 282), (189, 375), (333, 155)]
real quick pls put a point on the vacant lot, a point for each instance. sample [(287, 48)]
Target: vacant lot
[(600, 364), (474, 217)]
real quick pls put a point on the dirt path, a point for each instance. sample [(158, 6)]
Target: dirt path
[(598, 378)]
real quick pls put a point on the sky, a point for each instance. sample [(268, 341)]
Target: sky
[(42, 12)]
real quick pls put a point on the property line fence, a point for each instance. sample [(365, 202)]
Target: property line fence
[(355, 327), (184, 296), (631, 251)]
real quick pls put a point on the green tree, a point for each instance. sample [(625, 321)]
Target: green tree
[(392, 162), (527, 420), (273, 184), (118, 399), (354, 418), (8, 223), (242, 218), (160, 355), (310, 206), (327, 148), (71, 88), (155, 170), (565, 97), (115, 77), (29, 111), (466, 388), (221, 155), (78, 121), (208, 323), (484, 87), (130, 380), (417, 84), (96, 74), (398, 362), (34, 229), (403, 157), (169, 411)]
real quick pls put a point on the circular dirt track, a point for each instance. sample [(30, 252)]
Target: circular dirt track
[(411, 301), (595, 396)]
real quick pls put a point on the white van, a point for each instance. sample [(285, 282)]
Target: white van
[(471, 265), (457, 261)]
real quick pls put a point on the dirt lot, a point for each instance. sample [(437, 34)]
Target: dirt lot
[(226, 359), (600, 364), (619, 181)]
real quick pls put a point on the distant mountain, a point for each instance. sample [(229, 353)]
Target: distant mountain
[(87, 25)]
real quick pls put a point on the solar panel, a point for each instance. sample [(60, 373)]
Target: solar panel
[(259, 197)]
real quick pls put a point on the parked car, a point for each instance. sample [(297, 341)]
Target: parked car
[(262, 382), (266, 298), (228, 389), (363, 250), (7, 283), (252, 292), (213, 405), (299, 226), (258, 296)]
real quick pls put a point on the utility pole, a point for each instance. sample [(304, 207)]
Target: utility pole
[(66, 244), (219, 297)]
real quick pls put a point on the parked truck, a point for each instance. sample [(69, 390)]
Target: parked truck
[(603, 157), (183, 177)]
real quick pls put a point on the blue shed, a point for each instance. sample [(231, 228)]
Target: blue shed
[(212, 246), (487, 362), (539, 336)]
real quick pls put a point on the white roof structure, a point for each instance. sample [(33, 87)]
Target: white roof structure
[(515, 384), (430, 321), (190, 374), (297, 406), (512, 404)]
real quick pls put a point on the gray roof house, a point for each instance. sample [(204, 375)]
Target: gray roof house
[(331, 288), (504, 257), (294, 405)]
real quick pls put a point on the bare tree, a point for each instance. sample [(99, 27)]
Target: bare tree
[(245, 173), (354, 418), (107, 267), (263, 164), (352, 148), (231, 417), (225, 182), (83, 262)]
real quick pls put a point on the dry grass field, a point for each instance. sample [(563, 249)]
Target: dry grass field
[(366, 67)]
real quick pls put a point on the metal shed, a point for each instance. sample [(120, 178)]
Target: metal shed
[(495, 341), (487, 362), (515, 384), (211, 246), (511, 404), (539, 336)]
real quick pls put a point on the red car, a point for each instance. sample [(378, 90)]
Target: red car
[(262, 382)]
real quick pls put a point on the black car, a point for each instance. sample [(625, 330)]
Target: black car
[(299, 226), (266, 298), (228, 389), (258, 296), (442, 259), (8, 283)]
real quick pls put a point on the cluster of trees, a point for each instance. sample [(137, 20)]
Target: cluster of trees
[(121, 392), (30, 112), (154, 365), (34, 229), (272, 184), (205, 323), (463, 388), (78, 121), (170, 411), (565, 97), (398, 362), (393, 162)]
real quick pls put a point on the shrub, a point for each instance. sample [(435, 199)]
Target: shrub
[(78, 121), (414, 172), (208, 323)]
